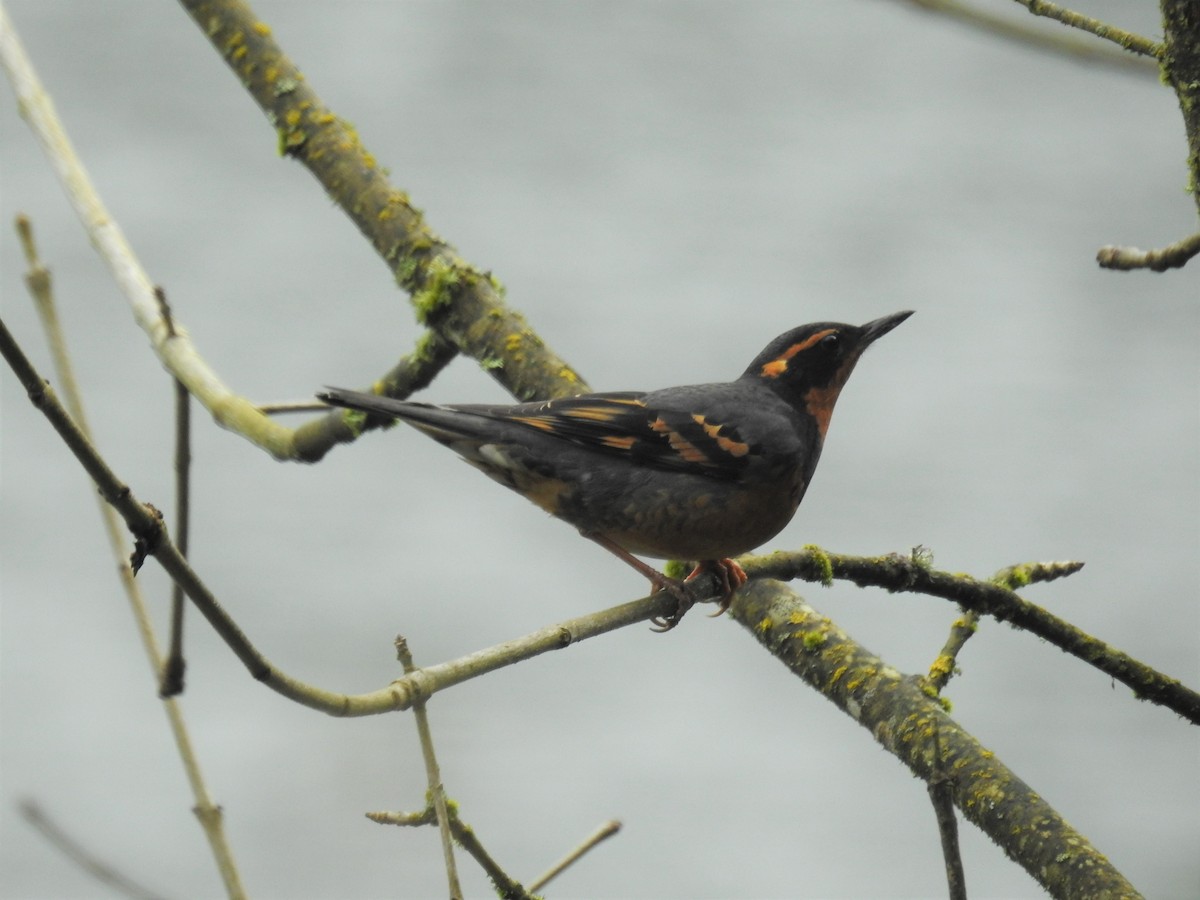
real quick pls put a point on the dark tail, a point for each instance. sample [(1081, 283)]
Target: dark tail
[(444, 424), (372, 403)]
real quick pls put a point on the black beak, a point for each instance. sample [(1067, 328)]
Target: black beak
[(872, 331)]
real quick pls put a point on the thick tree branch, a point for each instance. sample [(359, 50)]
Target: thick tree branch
[(904, 719), (463, 303), (1181, 66)]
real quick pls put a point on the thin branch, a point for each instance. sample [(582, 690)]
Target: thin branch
[(941, 796), (174, 348), (942, 669), (150, 533), (1134, 43), (78, 854), (1079, 49), (207, 812), (437, 793), (965, 626), (591, 842), (898, 712), (900, 573), (1172, 256), (893, 572), (171, 683), (506, 887)]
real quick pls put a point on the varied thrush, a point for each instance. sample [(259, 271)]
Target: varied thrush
[(702, 472)]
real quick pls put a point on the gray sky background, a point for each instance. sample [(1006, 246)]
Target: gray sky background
[(662, 188)]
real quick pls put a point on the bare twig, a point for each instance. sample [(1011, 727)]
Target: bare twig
[(74, 851), (151, 535), (173, 669), (437, 793), (1135, 43), (1172, 256), (941, 796), (1079, 49), (593, 840), (308, 442), (507, 887), (208, 812)]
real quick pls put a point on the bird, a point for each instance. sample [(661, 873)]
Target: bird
[(701, 472)]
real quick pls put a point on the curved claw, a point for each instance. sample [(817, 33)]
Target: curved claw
[(730, 576), (683, 602)]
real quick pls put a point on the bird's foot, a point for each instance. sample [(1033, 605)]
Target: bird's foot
[(684, 600), (730, 576)]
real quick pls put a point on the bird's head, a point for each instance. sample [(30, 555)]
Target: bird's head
[(810, 364)]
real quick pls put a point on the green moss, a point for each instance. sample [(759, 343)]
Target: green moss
[(423, 352), (813, 640), (1015, 577), (441, 282), (823, 563), (941, 667), (406, 271), (355, 419), (677, 568)]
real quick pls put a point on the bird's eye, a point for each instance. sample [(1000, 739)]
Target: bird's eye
[(831, 341)]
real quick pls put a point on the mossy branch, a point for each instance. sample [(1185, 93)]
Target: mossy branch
[(462, 306), (1181, 68), (1180, 57), (992, 598), (911, 725), (461, 302), (1126, 40), (1062, 43)]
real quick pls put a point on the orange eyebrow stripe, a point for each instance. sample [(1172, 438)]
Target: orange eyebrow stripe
[(779, 364)]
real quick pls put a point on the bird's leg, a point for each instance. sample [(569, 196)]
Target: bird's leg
[(677, 589), (729, 574)]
